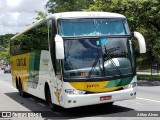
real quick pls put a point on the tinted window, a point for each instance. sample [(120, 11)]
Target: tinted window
[(33, 40), (93, 27)]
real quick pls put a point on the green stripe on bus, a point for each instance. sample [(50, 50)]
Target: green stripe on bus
[(34, 69), (119, 82), (34, 61)]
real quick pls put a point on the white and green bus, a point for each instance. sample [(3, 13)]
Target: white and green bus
[(76, 59)]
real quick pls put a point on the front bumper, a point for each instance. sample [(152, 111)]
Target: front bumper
[(91, 99)]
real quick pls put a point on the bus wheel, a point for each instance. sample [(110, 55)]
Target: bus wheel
[(21, 92), (17, 84), (49, 100)]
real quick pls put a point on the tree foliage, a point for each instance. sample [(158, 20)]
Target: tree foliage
[(67, 5), (40, 15), (4, 44)]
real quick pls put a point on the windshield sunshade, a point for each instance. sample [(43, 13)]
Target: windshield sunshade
[(93, 27)]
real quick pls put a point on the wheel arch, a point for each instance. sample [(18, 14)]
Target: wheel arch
[(46, 88)]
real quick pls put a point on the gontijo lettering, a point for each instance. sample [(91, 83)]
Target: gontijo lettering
[(21, 62)]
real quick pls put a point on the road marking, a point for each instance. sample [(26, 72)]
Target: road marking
[(135, 102), (8, 85), (148, 99), (4, 83)]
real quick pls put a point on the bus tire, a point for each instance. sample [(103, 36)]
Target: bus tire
[(52, 106), (17, 84), (21, 92)]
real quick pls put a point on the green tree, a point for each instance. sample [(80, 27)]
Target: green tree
[(5, 44), (40, 15), (67, 5)]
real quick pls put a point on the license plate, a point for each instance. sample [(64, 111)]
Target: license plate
[(102, 98)]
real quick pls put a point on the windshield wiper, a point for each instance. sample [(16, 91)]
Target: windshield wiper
[(97, 59), (107, 54)]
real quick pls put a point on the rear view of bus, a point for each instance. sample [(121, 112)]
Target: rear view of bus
[(99, 63)]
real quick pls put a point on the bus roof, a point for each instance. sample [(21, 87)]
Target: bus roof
[(82, 14), (78, 14)]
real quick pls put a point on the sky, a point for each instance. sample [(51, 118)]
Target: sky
[(16, 14)]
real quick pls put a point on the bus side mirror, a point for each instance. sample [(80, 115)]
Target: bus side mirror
[(59, 47), (141, 41)]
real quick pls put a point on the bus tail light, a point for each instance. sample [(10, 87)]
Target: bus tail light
[(73, 91)]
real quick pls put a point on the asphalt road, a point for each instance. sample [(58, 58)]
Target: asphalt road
[(148, 99)]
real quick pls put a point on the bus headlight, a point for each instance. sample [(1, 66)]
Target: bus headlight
[(131, 85), (73, 91)]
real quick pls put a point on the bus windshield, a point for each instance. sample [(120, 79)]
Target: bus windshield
[(93, 27), (96, 48), (98, 57)]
